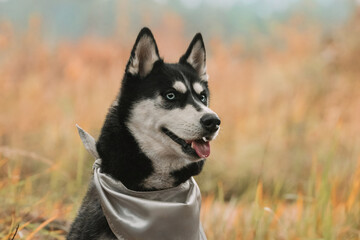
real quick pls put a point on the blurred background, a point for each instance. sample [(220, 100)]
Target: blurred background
[(285, 80)]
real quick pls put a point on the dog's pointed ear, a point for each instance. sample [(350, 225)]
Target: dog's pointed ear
[(195, 55), (143, 55)]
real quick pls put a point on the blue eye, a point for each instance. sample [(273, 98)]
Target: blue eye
[(203, 98), (170, 96)]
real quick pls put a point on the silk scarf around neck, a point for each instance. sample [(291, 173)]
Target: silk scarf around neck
[(172, 213)]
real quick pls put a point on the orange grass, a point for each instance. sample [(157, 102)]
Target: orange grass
[(285, 166)]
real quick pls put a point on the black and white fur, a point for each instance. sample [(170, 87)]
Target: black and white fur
[(146, 138)]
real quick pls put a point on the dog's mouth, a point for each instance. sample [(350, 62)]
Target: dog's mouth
[(197, 148)]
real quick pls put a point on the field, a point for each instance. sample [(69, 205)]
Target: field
[(286, 164)]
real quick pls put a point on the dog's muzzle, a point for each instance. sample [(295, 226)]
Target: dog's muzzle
[(198, 148), (210, 122)]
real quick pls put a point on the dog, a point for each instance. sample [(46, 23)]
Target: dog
[(157, 132)]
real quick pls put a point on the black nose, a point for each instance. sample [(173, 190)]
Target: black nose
[(210, 122)]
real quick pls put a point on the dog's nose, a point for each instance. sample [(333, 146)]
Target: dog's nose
[(210, 122)]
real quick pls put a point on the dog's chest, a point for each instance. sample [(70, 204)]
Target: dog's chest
[(162, 177), (159, 181)]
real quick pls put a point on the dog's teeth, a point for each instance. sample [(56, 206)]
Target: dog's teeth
[(192, 144), (204, 139)]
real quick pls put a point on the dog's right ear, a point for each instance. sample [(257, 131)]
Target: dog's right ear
[(195, 56), (143, 55)]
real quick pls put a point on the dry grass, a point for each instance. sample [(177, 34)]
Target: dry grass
[(285, 166)]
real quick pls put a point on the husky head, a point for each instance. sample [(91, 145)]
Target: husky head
[(161, 120)]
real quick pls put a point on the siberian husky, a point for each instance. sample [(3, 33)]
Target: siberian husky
[(157, 132)]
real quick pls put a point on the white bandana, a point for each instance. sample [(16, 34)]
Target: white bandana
[(172, 213)]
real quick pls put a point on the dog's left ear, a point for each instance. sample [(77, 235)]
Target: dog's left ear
[(196, 56), (143, 55)]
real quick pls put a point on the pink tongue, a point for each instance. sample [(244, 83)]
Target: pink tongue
[(202, 148)]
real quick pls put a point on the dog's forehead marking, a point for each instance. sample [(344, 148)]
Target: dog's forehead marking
[(180, 87), (186, 81), (196, 102), (198, 87)]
